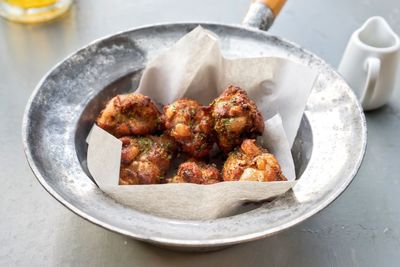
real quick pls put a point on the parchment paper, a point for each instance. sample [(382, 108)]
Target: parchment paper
[(195, 68)]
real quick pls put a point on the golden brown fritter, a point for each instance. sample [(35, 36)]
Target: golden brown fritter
[(190, 125), (145, 160), (236, 117), (250, 162), (197, 172), (130, 114)]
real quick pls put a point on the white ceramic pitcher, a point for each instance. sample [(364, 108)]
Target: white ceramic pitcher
[(370, 62)]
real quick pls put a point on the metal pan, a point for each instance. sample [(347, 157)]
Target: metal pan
[(328, 149)]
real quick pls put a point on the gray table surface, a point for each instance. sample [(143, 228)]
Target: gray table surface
[(361, 228)]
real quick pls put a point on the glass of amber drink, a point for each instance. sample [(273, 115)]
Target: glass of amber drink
[(32, 11)]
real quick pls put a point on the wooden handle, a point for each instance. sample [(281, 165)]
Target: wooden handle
[(262, 13), (274, 5)]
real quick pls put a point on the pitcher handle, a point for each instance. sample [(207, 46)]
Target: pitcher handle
[(262, 13), (373, 67)]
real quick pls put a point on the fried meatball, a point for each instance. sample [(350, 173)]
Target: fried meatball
[(190, 125), (130, 114), (145, 160), (197, 172), (236, 117), (250, 162)]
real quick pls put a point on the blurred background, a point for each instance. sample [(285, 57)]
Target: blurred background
[(361, 228)]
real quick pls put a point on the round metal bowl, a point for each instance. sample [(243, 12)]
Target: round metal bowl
[(328, 149)]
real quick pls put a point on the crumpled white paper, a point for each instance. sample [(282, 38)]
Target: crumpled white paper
[(194, 68)]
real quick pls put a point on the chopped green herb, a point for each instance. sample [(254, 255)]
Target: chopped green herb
[(145, 143), (203, 146), (227, 122), (169, 146)]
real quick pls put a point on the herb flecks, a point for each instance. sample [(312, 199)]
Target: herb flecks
[(228, 121), (145, 144)]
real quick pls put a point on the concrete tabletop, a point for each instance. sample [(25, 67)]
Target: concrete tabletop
[(361, 228)]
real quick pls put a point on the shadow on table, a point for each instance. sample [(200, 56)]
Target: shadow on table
[(81, 243), (389, 111)]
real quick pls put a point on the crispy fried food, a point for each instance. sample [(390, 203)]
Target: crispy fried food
[(250, 162), (190, 125), (236, 117), (198, 172), (130, 114), (145, 160)]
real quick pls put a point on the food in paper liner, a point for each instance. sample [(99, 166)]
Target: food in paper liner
[(197, 172), (250, 162), (194, 68), (130, 114), (235, 116), (190, 125), (190, 128), (145, 159)]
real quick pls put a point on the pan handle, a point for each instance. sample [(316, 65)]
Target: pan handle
[(262, 13)]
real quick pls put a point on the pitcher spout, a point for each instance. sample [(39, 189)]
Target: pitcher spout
[(377, 33)]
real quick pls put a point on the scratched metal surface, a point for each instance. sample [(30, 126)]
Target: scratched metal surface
[(360, 229), (329, 148)]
